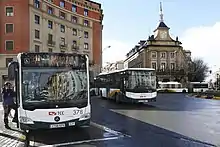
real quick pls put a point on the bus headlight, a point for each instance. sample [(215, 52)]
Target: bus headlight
[(26, 120), (85, 116)]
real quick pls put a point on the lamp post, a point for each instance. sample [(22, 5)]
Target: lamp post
[(101, 56), (217, 81)]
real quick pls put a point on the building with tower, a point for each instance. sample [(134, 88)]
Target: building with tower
[(161, 52)]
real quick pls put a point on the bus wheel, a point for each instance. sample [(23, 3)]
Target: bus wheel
[(117, 98), (184, 91)]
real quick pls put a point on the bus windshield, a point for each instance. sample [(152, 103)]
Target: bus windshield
[(53, 84), (141, 80)]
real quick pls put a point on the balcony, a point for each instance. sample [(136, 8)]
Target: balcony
[(51, 43), (75, 47), (63, 47)]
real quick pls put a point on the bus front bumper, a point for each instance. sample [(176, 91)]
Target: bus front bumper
[(48, 125), (141, 100)]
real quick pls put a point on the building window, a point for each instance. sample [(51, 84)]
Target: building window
[(86, 34), (9, 11), (50, 38), (49, 10), (62, 3), (50, 24), (153, 54), (172, 66), (163, 66), (74, 44), (86, 11), (86, 46), (9, 45), (154, 65), (37, 3), (62, 28), (37, 19), (62, 15), (62, 41), (50, 50), (86, 23), (74, 32), (74, 19), (7, 61), (9, 28), (74, 8), (163, 55), (37, 48), (172, 55), (37, 34)]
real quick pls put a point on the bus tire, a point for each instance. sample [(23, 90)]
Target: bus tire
[(184, 91), (117, 98)]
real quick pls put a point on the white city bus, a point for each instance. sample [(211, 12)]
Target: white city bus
[(198, 86), (52, 90), (136, 85), (171, 87)]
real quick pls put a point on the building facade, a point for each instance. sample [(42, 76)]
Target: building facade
[(73, 26), (118, 65), (161, 52)]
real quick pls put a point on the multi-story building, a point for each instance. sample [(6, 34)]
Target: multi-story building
[(162, 53), (118, 65), (50, 26)]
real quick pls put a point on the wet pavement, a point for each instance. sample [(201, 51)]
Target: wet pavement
[(173, 121)]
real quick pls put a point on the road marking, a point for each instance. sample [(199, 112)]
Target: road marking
[(109, 130), (80, 142), (102, 127)]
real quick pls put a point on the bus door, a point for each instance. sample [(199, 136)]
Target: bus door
[(13, 75)]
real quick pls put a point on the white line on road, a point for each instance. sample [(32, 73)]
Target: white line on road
[(108, 129), (80, 142), (104, 128)]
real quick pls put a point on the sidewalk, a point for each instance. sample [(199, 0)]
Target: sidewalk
[(9, 138)]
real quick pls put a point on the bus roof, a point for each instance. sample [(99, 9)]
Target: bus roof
[(127, 69)]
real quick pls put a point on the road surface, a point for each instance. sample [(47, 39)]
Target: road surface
[(174, 120)]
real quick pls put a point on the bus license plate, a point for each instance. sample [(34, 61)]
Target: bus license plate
[(144, 101), (57, 126)]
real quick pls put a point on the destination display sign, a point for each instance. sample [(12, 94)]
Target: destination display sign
[(53, 60)]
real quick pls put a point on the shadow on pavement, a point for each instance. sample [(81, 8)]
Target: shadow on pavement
[(68, 136)]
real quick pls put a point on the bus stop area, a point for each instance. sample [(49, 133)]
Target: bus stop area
[(10, 137)]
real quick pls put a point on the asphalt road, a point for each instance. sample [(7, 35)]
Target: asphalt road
[(173, 121)]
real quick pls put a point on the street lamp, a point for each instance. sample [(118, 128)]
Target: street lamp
[(107, 47)]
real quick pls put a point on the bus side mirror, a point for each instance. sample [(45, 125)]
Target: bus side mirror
[(12, 68)]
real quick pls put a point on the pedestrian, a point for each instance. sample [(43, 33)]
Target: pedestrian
[(8, 103)]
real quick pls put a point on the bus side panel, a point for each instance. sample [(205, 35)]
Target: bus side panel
[(103, 92)]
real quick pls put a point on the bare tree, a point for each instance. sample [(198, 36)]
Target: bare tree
[(198, 70)]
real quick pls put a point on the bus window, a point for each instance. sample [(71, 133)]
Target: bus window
[(173, 85)]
